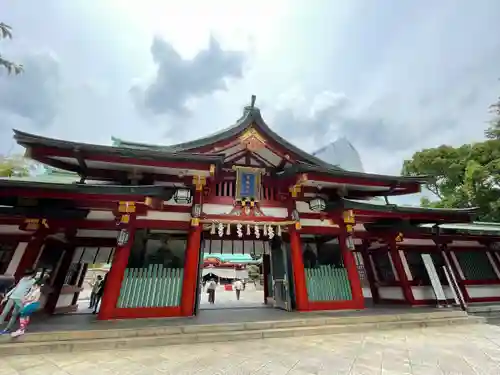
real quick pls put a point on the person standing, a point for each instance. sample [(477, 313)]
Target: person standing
[(99, 294), (31, 303), (211, 291), (238, 286), (96, 284), (14, 299)]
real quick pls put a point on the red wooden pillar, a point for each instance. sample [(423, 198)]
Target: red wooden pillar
[(191, 269), (299, 276), (352, 270), (60, 277), (115, 275), (30, 254), (398, 265)]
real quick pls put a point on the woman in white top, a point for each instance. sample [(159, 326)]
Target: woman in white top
[(238, 287)]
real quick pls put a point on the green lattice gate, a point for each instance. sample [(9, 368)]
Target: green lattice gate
[(154, 286)]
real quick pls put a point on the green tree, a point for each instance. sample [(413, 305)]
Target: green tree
[(493, 132), (253, 272), (465, 176), (15, 165), (12, 68)]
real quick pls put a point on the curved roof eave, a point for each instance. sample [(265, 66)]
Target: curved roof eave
[(304, 168), (357, 205), (100, 189), (27, 140), (251, 115)]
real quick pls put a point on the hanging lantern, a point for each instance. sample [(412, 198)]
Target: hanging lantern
[(220, 229), (257, 232), (212, 228), (248, 230), (182, 196), (317, 204), (238, 230), (279, 231), (265, 230), (228, 229), (350, 243), (270, 232)]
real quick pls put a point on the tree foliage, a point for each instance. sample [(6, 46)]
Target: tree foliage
[(465, 176), (493, 132), (253, 272), (12, 68), (14, 166)]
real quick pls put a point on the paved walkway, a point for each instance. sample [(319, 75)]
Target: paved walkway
[(460, 350), (226, 299), (88, 321)]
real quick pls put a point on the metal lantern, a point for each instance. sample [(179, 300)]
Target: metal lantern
[(182, 196), (350, 243), (317, 204)]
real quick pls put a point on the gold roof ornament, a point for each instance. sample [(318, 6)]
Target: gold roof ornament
[(252, 140)]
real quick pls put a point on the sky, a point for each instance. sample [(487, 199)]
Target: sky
[(393, 77)]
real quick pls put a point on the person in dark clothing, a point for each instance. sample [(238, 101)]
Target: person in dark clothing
[(96, 285), (211, 286), (99, 294)]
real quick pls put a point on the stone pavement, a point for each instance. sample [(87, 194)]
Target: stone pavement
[(250, 297), (460, 350)]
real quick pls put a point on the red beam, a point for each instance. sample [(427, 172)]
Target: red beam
[(260, 219), (229, 201), (41, 152), (58, 194), (162, 224)]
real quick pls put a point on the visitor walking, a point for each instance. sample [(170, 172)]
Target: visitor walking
[(238, 286), (99, 294), (31, 303), (211, 291), (13, 300), (96, 285)]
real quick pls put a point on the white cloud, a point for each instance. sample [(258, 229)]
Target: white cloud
[(391, 76)]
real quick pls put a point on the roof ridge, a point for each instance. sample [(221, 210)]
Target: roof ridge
[(251, 115)]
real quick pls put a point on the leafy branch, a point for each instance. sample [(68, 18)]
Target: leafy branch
[(12, 68)]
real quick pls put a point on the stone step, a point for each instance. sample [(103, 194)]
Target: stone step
[(159, 330), (484, 308), (44, 347)]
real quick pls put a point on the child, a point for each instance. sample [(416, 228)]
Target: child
[(31, 303)]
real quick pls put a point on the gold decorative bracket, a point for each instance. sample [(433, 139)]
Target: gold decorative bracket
[(400, 237), (126, 207), (199, 182), (295, 190), (252, 140)]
